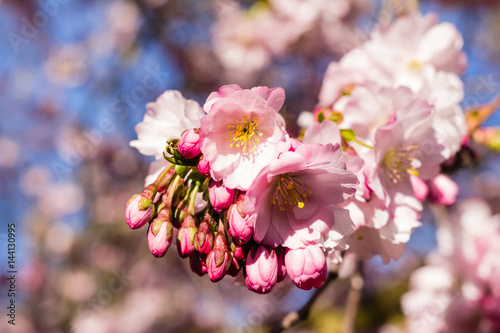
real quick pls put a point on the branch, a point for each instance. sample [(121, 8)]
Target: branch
[(295, 317)]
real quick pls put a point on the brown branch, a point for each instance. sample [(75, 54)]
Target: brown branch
[(293, 318)]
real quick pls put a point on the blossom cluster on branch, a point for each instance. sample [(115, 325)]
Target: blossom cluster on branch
[(237, 193)]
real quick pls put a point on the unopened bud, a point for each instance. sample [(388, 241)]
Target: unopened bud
[(189, 144), (235, 267), (198, 264), (160, 235), (139, 211), (261, 269), (443, 190), (204, 239), (185, 236), (240, 225), (218, 259), (306, 266), (220, 196), (204, 167)]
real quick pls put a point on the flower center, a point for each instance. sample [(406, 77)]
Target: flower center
[(289, 190), (399, 163), (245, 134), (415, 66)]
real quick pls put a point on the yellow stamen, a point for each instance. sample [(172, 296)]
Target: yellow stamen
[(245, 134), (289, 191), (399, 163)]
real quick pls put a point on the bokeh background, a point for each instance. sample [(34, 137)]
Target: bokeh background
[(75, 77)]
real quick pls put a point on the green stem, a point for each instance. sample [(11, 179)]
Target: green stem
[(192, 196), (362, 144)]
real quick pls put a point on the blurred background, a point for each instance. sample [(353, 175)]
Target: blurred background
[(75, 77)]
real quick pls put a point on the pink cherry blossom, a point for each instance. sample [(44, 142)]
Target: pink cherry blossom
[(241, 133), (295, 195)]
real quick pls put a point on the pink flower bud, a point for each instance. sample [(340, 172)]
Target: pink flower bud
[(204, 239), (218, 259), (204, 167), (240, 225), (198, 264), (443, 190), (240, 251), (235, 267), (185, 236), (306, 266), (189, 144), (420, 188), (261, 270), (220, 196), (139, 211), (160, 235)]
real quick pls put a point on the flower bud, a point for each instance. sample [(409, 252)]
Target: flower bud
[(306, 266), (280, 253), (139, 211), (240, 251), (189, 144), (160, 235), (261, 269), (198, 264), (420, 188), (204, 239), (220, 196), (240, 225), (443, 190), (235, 267), (185, 236), (204, 167), (218, 259)]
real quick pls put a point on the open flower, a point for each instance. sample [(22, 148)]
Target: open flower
[(166, 119), (241, 132), (294, 197)]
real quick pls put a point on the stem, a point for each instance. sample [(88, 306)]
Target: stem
[(295, 317), (172, 188), (192, 196), (362, 144)]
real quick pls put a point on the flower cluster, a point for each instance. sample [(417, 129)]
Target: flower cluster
[(459, 288), (236, 192), (247, 40), (394, 101)]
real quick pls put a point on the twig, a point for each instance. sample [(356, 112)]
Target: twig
[(295, 317)]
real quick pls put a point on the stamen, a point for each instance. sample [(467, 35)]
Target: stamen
[(398, 164), (245, 134), (288, 190)]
